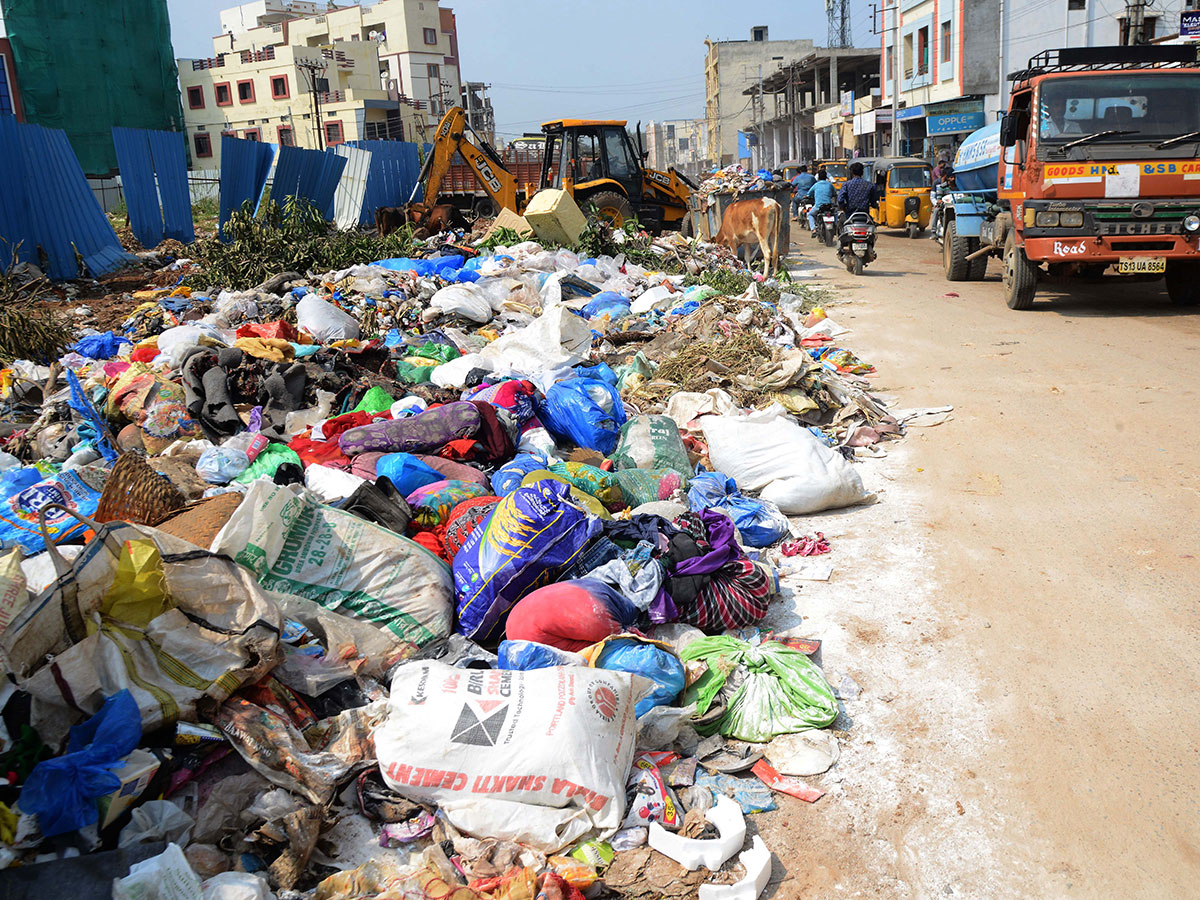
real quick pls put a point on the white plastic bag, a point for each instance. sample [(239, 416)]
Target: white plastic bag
[(220, 465), (556, 339), (453, 374), (324, 321), (463, 300), (537, 757), (237, 886), (174, 343), (331, 484), (769, 452), (164, 877)]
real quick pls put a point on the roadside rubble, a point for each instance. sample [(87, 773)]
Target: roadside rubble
[(434, 576)]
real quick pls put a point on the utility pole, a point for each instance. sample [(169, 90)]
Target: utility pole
[(314, 69), (1135, 20), (896, 67), (761, 117)]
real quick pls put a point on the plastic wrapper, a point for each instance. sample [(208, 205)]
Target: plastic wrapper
[(526, 655), (585, 411), (647, 796)]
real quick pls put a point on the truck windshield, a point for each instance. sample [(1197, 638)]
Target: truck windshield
[(910, 177), (1149, 106)]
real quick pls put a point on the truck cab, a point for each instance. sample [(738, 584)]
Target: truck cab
[(1097, 167)]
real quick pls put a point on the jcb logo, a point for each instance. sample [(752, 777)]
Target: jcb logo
[(489, 177), (659, 177)]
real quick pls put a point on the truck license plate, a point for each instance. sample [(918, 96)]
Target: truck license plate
[(1142, 265), (860, 246)]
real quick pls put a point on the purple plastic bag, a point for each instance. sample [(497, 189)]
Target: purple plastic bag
[(425, 433)]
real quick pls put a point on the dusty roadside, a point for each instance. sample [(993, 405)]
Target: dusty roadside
[(1019, 608)]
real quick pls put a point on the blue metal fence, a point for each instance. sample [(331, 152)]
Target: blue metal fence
[(309, 174), (395, 166), (46, 204), (244, 169), (154, 178)]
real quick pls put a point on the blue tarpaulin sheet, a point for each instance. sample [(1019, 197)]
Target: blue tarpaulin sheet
[(244, 169), (154, 179), (308, 174)]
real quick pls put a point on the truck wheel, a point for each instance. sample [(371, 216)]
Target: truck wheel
[(1183, 283), (1020, 276), (685, 227), (977, 268), (955, 250), (485, 208), (610, 207)]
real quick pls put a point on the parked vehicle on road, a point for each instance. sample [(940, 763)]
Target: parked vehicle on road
[(906, 188), (1093, 166)]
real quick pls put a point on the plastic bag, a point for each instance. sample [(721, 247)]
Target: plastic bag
[(77, 490), (586, 411), (220, 465), (502, 755), (324, 321), (526, 655), (640, 486), (571, 615), (406, 472), (609, 303), (533, 533), (591, 480), (62, 792), (463, 300), (267, 463), (157, 820), (237, 886), (770, 453), (553, 340), (649, 659), (164, 877), (649, 798), (100, 346), (651, 442), (508, 477), (783, 691), (759, 522)]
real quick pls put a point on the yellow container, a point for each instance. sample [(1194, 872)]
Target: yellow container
[(554, 217)]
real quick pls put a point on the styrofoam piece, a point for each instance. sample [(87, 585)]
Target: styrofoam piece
[(691, 853), (757, 861)]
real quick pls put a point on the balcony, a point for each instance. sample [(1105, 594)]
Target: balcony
[(213, 62)]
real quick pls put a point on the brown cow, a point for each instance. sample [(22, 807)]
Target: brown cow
[(750, 221), (442, 217), (389, 219)]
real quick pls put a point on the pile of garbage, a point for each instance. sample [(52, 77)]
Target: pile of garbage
[(435, 577), (736, 180)]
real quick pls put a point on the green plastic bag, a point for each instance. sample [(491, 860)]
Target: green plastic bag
[(410, 374), (639, 365), (432, 350), (375, 400), (784, 690), (640, 486), (651, 442), (268, 462)]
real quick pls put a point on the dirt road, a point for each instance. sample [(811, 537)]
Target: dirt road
[(1020, 609)]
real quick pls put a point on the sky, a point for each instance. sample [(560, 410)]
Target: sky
[(587, 58)]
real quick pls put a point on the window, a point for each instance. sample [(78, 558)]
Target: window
[(195, 97), (587, 157), (621, 164), (947, 40), (683, 143), (246, 91), (202, 144), (908, 56), (252, 134), (670, 132), (279, 87), (434, 72), (284, 136), (1149, 30), (224, 97), (1076, 4), (333, 132), (430, 36), (923, 51), (891, 64)]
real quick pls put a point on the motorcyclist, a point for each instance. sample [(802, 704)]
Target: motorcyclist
[(800, 185), (857, 194), (944, 189), (821, 193)]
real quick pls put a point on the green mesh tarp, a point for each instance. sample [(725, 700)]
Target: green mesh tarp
[(85, 67)]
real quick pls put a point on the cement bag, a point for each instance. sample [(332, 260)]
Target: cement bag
[(651, 442), (298, 547), (771, 453), (532, 535), (586, 411), (537, 757), (324, 321), (180, 628)]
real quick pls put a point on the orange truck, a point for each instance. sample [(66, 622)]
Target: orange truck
[(1096, 164)]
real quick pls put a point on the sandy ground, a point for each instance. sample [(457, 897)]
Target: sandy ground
[(1019, 608)]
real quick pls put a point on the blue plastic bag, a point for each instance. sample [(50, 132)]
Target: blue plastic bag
[(600, 372), (531, 536), (522, 656), (760, 522), (445, 266), (100, 346), (586, 411), (709, 489), (406, 472), (62, 792), (509, 476), (15, 480), (19, 514), (661, 666), (610, 302)]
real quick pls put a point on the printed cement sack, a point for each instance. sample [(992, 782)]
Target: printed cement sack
[(769, 452), (298, 547), (651, 442), (538, 757)]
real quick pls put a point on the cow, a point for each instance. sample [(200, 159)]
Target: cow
[(426, 222), (750, 221)]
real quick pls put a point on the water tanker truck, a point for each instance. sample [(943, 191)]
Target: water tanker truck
[(1096, 164)]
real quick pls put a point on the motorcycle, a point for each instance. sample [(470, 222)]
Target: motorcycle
[(826, 224), (857, 243)]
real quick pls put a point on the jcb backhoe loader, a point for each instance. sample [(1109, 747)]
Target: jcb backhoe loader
[(594, 161)]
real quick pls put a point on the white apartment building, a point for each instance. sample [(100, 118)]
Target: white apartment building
[(682, 143), (312, 75)]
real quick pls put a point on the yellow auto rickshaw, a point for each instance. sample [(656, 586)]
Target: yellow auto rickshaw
[(906, 184), (838, 170)]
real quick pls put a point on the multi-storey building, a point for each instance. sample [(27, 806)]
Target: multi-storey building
[(682, 143)]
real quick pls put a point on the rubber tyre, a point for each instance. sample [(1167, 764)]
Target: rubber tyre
[(485, 208), (1183, 283), (913, 230), (976, 268), (955, 250), (611, 207), (830, 237), (685, 227), (854, 264), (1020, 276)]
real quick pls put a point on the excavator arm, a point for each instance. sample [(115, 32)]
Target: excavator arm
[(451, 137)]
